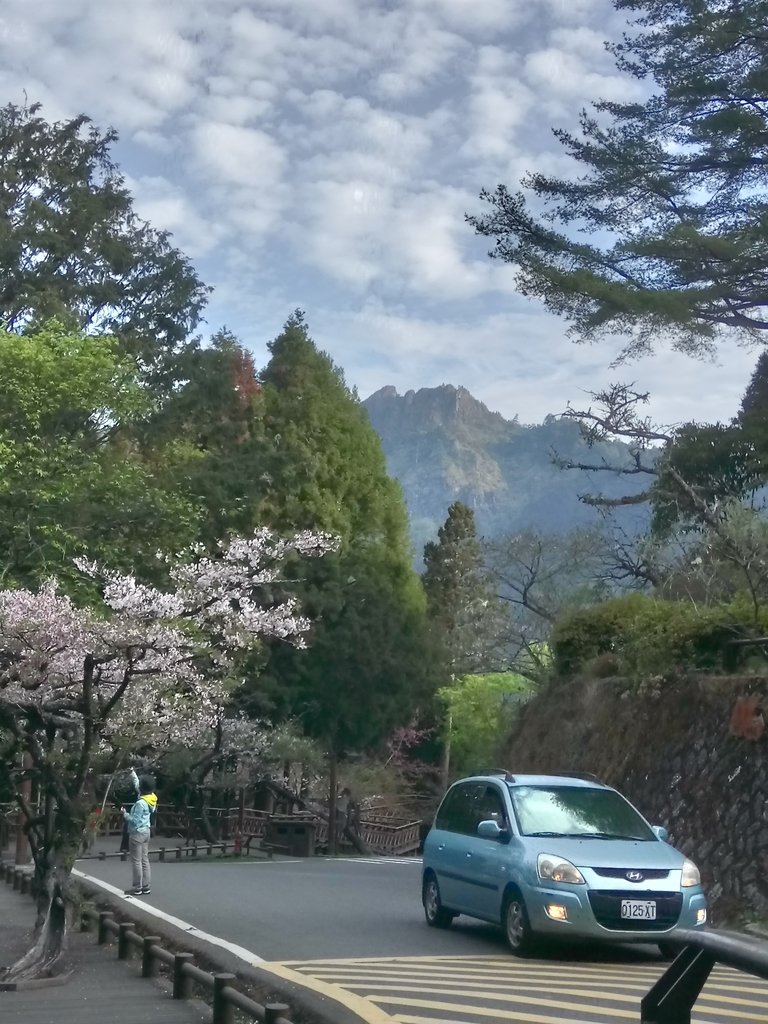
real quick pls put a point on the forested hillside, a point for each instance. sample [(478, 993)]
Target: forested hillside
[(443, 445)]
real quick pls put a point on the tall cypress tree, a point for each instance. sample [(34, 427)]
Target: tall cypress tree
[(464, 613), (218, 415), (364, 669)]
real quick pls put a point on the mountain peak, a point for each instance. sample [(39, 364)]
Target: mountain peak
[(445, 445), (443, 407)]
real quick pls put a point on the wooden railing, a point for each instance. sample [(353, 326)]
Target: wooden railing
[(186, 974), (382, 830)]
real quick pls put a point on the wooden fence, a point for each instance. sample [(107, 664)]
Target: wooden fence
[(185, 973), (382, 830)]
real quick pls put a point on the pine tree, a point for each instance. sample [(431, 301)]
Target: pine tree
[(462, 607), (364, 669), (463, 612), (218, 414), (71, 245), (662, 232), (755, 400)]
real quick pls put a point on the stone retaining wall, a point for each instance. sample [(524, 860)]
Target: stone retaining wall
[(690, 753)]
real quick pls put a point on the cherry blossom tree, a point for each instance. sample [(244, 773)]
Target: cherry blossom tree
[(147, 663)]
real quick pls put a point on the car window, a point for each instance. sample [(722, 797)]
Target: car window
[(489, 806), (577, 811), (458, 810)]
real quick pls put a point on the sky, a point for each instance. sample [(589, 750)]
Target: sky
[(322, 154)]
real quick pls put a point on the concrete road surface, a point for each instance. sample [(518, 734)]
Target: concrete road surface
[(356, 925)]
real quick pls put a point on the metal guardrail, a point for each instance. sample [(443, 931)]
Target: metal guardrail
[(674, 995), (185, 974)]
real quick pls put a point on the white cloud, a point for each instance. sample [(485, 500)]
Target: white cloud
[(238, 155), (326, 151)]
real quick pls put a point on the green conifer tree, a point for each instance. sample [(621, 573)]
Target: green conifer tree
[(364, 669)]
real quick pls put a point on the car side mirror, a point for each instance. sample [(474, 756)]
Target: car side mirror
[(661, 833), (491, 830)]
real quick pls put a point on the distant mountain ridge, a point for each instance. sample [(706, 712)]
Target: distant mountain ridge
[(444, 445)]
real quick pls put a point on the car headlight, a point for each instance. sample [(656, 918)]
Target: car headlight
[(691, 874), (555, 869)]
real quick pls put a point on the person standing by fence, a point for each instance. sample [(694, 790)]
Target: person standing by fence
[(138, 820), (133, 784)]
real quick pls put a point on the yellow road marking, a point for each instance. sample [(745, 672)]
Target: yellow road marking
[(477, 979), (401, 959), (369, 1012), (594, 998), (361, 984), (482, 1011)]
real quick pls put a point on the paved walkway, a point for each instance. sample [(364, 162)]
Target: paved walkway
[(101, 989)]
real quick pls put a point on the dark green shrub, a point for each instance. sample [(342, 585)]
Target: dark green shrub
[(651, 636), (586, 634)]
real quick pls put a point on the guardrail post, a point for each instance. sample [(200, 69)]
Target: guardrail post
[(24, 884), (103, 932), (17, 878), (223, 1011), (162, 853), (85, 921), (182, 984), (178, 853), (671, 999), (123, 945), (274, 1010), (149, 962)]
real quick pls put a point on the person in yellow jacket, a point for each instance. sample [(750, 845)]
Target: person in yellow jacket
[(139, 820)]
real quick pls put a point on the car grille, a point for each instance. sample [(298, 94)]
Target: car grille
[(647, 873), (606, 906)]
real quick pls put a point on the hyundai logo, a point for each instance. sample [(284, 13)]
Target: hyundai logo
[(634, 876)]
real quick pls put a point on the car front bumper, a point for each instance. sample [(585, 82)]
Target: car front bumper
[(578, 919)]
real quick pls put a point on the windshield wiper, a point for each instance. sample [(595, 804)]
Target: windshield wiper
[(607, 835), (550, 835)]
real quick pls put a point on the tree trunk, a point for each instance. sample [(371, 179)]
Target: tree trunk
[(445, 759), (205, 819), (23, 852), (333, 812), (55, 913)]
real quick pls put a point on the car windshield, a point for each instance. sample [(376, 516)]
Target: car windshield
[(577, 811)]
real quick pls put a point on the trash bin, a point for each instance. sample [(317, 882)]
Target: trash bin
[(294, 837)]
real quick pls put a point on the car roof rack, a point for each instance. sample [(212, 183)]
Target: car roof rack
[(584, 776), (496, 771)]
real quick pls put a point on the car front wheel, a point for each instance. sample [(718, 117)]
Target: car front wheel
[(517, 927), (434, 911)]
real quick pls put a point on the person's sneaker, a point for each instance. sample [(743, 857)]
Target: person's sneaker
[(134, 891), (145, 891)]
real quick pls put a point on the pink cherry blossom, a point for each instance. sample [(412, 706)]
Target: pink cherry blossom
[(149, 659)]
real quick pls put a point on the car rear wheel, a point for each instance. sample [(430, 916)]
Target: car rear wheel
[(517, 927), (434, 911)]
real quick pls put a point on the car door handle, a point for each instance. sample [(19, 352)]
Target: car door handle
[(441, 846)]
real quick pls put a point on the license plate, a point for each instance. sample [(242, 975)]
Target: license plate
[(638, 910)]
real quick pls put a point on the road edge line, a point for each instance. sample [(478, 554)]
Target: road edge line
[(362, 1008), (231, 947), (359, 1005)]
